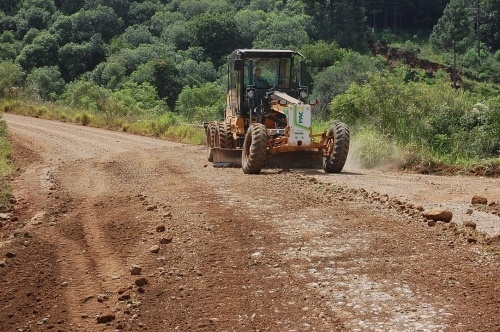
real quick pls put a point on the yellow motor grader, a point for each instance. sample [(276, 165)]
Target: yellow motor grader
[(267, 119)]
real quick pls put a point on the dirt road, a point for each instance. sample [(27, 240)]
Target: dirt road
[(112, 231)]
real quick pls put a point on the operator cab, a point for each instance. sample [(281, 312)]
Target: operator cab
[(255, 74)]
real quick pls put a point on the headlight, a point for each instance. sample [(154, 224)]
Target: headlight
[(250, 94), (303, 94)]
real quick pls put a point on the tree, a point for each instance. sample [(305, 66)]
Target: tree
[(321, 55), (132, 58), (9, 46), (283, 31), (46, 82), (137, 35), (490, 23), (62, 27), (69, 7), (9, 6), (162, 21), (192, 8), (140, 13), (249, 23), (12, 75), (76, 59), (110, 74), (336, 79), (349, 27), (201, 103), (215, 33), (454, 31), (120, 7), (101, 20), (196, 73), (167, 81), (42, 52)]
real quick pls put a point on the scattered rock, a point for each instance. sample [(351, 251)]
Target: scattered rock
[(101, 297), (124, 289), (87, 298), (151, 208), (103, 319), (124, 297), (431, 223), (494, 240), (471, 240), (160, 228), (167, 239), (154, 249), (167, 215), (438, 214), (2, 263), (4, 216), (469, 211), (479, 200), (135, 270), (470, 224), (141, 282), (10, 254)]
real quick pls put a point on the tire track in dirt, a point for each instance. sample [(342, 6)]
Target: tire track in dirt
[(278, 251)]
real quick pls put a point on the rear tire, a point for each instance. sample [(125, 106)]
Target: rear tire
[(254, 153), (339, 144), (210, 142), (225, 136)]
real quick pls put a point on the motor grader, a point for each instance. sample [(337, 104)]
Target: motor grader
[(267, 119)]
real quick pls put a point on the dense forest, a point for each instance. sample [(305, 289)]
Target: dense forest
[(157, 58)]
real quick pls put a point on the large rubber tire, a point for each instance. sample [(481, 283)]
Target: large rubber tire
[(254, 153), (339, 143), (225, 136), (210, 141)]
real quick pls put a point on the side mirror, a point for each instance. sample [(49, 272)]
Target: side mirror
[(238, 64), (302, 73)]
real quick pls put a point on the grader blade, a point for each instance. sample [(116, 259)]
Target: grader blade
[(296, 159), (284, 160), (226, 157)]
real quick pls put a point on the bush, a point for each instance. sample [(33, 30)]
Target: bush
[(12, 76), (138, 99), (45, 83), (85, 95), (336, 79), (202, 103), (5, 151), (434, 117)]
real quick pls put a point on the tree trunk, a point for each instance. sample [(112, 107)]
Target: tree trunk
[(454, 70)]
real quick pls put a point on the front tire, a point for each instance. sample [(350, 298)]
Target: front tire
[(225, 136), (210, 141), (254, 153), (338, 145)]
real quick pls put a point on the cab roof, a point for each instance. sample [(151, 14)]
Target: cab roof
[(266, 53)]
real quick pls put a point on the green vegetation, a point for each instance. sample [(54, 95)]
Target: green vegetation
[(5, 167), (157, 67)]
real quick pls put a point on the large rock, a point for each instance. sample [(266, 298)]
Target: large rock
[(438, 214), (479, 200), (135, 270)]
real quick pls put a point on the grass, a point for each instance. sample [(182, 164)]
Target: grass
[(368, 148), (169, 125), (5, 168)]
